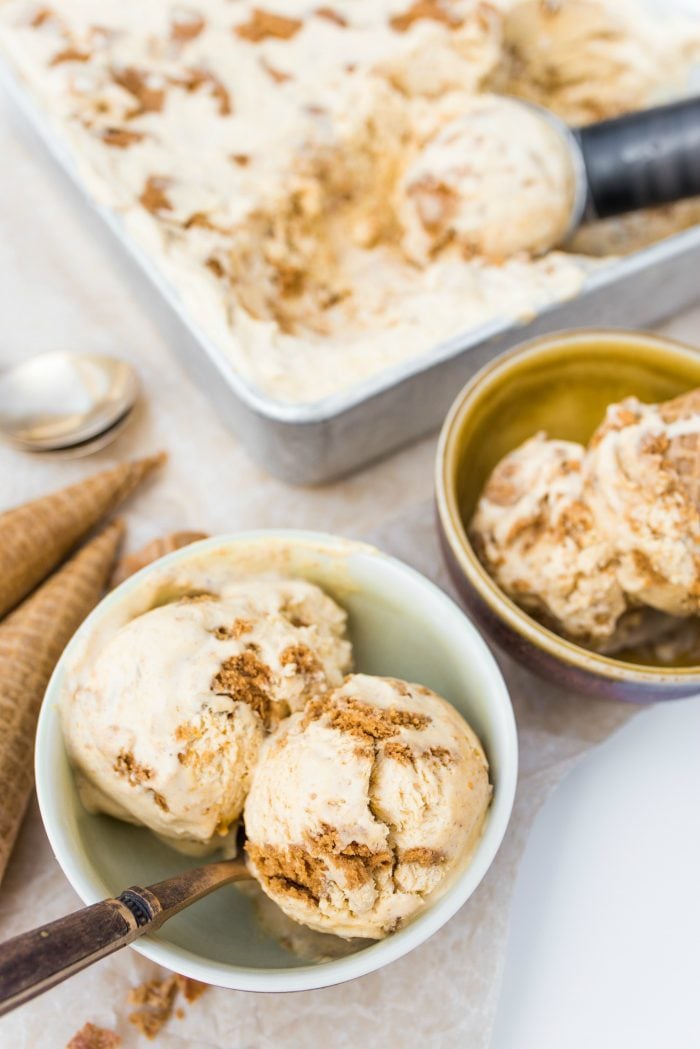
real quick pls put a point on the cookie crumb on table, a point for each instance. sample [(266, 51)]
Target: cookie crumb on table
[(156, 999), (92, 1037)]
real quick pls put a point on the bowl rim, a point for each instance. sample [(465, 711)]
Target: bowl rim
[(75, 862), (446, 465)]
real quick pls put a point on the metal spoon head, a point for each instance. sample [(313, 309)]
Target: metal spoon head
[(62, 400)]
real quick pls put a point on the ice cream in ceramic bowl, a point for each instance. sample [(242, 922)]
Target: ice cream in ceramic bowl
[(321, 692), (569, 510)]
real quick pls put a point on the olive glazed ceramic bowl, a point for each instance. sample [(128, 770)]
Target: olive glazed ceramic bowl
[(561, 384), (400, 625)]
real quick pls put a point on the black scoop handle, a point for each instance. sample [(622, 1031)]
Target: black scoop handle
[(642, 159)]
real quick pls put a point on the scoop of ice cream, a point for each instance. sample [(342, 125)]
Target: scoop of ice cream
[(588, 59), (165, 724), (495, 181), (642, 481), (363, 805), (539, 539)]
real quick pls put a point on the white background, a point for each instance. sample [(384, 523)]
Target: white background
[(605, 941)]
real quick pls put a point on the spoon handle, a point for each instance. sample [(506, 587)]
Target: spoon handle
[(35, 961), (642, 159)]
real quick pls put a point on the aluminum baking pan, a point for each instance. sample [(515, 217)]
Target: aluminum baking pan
[(317, 442)]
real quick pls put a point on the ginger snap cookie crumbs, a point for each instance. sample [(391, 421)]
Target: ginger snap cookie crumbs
[(127, 765), (186, 26), (278, 75), (442, 755), (422, 856), (153, 196), (292, 870), (90, 1036), (362, 720), (156, 1000), (264, 24), (331, 16), (431, 9), (302, 657), (246, 680), (194, 79), (148, 94), (400, 752), (70, 54), (42, 16), (120, 137), (238, 628)]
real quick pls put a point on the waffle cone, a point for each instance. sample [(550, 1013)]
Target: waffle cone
[(36, 536), (31, 640)]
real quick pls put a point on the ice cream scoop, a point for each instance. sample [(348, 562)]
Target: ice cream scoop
[(165, 723), (363, 805), (505, 176)]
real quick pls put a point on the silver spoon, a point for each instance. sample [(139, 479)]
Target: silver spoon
[(35, 961), (65, 400)]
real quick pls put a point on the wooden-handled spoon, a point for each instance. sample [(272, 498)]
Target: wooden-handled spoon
[(35, 961)]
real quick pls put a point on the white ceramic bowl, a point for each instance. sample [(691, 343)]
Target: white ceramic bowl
[(401, 625)]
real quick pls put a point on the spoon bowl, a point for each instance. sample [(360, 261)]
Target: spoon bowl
[(63, 400)]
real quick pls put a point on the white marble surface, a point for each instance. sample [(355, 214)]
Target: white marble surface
[(63, 283)]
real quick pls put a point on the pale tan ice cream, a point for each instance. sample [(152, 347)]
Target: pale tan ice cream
[(643, 485), (495, 180), (540, 541), (364, 805), (164, 723), (593, 539)]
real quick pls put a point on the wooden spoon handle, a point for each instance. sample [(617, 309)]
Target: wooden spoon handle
[(35, 961)]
